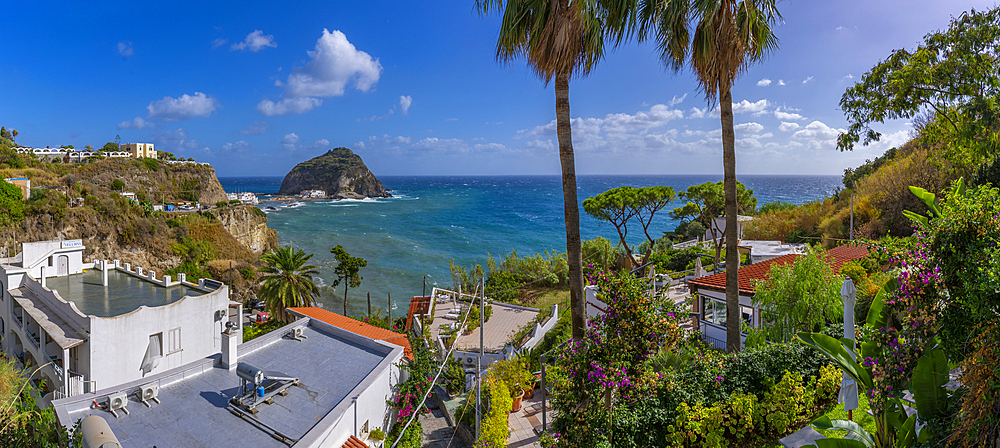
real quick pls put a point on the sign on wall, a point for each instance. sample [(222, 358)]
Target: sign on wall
[(72, 243)]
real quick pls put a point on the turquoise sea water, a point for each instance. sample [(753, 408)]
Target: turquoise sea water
[(432, 220)]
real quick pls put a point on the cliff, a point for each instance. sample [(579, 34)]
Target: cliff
[(340, 172), (158, 181), (249, 226)]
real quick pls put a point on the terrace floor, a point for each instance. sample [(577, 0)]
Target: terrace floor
[(123, 294)]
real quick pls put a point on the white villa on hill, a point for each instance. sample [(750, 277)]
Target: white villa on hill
[(100, 324)]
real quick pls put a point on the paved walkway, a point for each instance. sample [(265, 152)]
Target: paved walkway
[(437, 433), (524, 422)]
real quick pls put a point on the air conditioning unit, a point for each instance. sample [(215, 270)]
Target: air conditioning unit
[(220, 314), (118, 401), (296, 334), (149, 392), (470, 361)]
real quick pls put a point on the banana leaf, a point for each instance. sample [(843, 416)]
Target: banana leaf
[(854, 430), (835, 350), (927, 384)]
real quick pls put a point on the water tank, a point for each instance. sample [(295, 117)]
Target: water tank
[(97, 433), (249, 373)]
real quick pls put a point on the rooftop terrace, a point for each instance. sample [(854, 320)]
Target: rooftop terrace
[(123, 294), (193, 412)]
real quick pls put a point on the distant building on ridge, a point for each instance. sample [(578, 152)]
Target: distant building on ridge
[(138, 150)]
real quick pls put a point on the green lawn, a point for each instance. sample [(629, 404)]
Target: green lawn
[(549, 297)]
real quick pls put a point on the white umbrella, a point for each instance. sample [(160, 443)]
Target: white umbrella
[(848, 388)]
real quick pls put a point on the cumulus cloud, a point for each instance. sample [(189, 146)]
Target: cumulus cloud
[(125, 49), (749, 128), (764, 82), (697, 113), (446, 145), (543, 145), (136, 123), (185, 107), (240, 146), (788, 127), (255, 42), (289, 140), (334, 64), (746, 106), (807, 80), (675, 101), (781, 82), (787, 116), (256, 128), (269, 108), (404, 104), (318, 144), (174, 141), (818, 135)]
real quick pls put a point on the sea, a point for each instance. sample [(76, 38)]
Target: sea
[(431, 220)]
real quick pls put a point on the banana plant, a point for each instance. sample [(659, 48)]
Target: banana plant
[(893, 428), (929, 199)]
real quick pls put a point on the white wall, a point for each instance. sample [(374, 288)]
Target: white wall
[(118, 344), (35, 256)]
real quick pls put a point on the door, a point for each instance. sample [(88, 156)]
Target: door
[(62, 268)]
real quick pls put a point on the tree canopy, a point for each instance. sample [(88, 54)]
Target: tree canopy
[(707, 201), (619, 205), (949, 84), (799, 296), (11, 203), (348, 270), (287, 281)]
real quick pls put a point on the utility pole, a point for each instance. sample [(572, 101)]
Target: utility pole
[(479, 363), (388, 309), (425, 286), (369, 303)]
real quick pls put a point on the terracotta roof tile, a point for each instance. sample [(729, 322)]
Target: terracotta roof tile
[(357, 327), (749, 275), (354, 442)]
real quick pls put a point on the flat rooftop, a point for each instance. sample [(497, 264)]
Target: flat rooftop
[(124, 293), (194, 413)]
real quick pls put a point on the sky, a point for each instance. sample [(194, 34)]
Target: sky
[(414, 88)]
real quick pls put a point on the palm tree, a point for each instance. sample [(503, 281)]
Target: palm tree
[(287, 281), (560, 39), (728, 36)]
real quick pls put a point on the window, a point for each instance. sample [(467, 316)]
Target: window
[(50, 261), (174, 340), (715, 311), (156, 345), (747, 313)]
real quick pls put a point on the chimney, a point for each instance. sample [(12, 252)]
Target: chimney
[(104, 273), (230, 340)]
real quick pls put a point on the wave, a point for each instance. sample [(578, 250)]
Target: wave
[(334, 204)]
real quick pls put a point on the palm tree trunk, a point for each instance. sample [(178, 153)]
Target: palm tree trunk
[(571, 207), (733, 318)]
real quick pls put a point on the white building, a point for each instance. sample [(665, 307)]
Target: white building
[(97, 325), (313, 194), (719, 226), (760, 250)]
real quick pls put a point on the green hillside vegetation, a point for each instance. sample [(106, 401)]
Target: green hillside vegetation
[(113, 226)]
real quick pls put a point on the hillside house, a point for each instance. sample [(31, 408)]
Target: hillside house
[(708, 309), (139, 150), (99, 324), (24, 184)]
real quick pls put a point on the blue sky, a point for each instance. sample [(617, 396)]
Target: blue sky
[(413, 87)]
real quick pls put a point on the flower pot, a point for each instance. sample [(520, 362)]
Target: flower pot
[(516, 406), (528, 394)]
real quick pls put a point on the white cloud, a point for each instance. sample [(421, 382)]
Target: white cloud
[(788, 127), (807, 80), (184, 107), (404, 104), (255, 42), (219, 42), (125, 49), (447, 145), (289, 140), (334, 64), (749, 128), (256, 128), (841, 28), (318, 144), (451, 119), (137, 123), (542, 145), (174, 141), (818, 135), (489, 147), (849, 77), (288, 106), (697, 113), (240, 146), (786, 116), (675, 101), (781, 82), (746, 106), (764, 82)]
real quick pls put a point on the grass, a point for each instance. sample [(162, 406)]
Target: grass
[(549, 297), (861, 417)]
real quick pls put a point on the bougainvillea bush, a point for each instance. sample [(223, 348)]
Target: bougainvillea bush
[(639, 380)]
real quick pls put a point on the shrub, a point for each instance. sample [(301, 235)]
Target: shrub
[(151, 164), (117, 185), (412, 438), (11, 204), (493, 430), (221, 204)]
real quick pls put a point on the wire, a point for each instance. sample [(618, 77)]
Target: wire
[(441, 369)]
